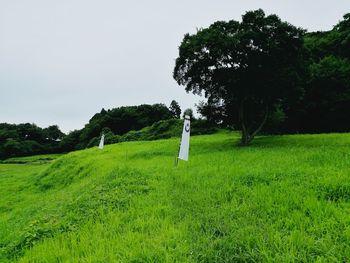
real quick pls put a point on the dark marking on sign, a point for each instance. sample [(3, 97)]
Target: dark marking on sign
[(187, 127)]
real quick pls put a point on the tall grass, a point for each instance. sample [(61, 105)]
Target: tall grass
[(283, 199)]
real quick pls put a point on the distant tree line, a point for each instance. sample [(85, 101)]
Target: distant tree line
[(266, 75), (28, 139), (143, 122), (117, 121)]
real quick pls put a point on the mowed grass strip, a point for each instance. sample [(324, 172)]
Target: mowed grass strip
[(283, 199)]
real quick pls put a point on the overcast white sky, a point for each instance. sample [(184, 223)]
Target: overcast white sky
[(62, 61)]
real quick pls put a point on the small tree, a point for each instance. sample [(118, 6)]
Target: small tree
[(53, 133), (175, 109), (250, 65)]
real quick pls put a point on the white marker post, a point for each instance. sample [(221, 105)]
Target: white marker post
[(102, 141), (185, 140)]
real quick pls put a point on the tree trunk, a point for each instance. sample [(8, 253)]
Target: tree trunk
[(248, 136), (244, 138)]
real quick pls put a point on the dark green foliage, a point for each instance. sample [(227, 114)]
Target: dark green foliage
[(276, 117), (28, 139), (71, 141), (116, 122), (53, 133), (214, 111), (124, 119), (329, 93), (325, 106), (167, 128), (317, 98), (248, 66), (175, 109)]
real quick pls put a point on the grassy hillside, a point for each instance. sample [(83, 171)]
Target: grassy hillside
[(285, 198)]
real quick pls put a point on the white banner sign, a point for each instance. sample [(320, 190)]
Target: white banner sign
[(102, 141), (185, 140)]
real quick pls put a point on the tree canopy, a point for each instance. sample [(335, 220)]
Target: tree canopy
[(324, 103), (250, 66)]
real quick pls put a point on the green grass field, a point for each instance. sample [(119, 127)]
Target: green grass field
[(283, 199)]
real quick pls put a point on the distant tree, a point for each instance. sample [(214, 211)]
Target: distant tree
[(28, 131), (175, 109), (28, 139), (188, 112), (250, 65), (11, 148), (213, 111), (53, 133), (6, 133), (71, 141)]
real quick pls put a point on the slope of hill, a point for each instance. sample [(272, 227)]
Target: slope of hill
[(285, 198)]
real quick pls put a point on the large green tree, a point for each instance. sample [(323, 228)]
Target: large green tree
[(251, 66)]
